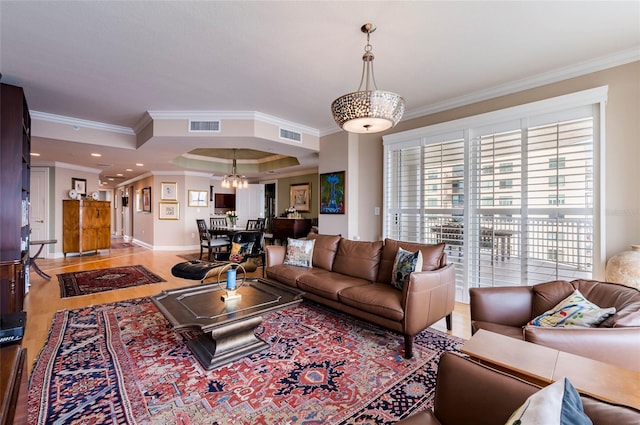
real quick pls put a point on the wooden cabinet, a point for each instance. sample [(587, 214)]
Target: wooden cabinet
[(284, 228), (86, 225), (15, 172)]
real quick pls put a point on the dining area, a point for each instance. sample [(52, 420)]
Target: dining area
[(218, 238)]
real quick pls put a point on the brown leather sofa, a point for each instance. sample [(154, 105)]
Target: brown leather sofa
[(470, 393), (507, 310), (354, 277)]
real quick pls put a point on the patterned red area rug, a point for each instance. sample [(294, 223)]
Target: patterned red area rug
[(100, 280), (122, 363)]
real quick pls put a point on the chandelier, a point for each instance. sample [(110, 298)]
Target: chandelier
[(234, 180), (369, 110)]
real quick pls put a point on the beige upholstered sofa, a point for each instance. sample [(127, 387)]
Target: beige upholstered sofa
[(354, 277), (507, 310)]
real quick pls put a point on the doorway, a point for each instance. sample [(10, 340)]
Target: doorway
[(269, 205)]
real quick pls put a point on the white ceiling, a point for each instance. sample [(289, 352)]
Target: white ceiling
[(110, 62)]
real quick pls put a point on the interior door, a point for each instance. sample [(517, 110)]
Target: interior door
[(39, 208), (249, 203)]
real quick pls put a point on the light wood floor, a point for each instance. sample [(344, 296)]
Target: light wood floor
[(43, 299)]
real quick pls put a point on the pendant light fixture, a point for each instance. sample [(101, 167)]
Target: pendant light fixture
[(234, 180), (369, 110)]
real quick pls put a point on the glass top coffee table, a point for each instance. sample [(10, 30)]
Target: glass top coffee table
[(227, 326)]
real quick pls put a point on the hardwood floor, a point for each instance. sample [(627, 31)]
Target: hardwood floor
[(43, 299)]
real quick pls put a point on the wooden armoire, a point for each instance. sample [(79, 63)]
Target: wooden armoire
[(86, 225), (15, 172)]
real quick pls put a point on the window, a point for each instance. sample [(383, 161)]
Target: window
[(506, 167), (506, 184), (505, 200), (516, 222), (556, 199), (433, 188), (556, 181)]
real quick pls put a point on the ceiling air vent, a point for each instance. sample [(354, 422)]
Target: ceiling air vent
[(290, 135), (204, 126)]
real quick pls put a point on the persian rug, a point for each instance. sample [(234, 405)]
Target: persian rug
[(122, 363), (100, 280)]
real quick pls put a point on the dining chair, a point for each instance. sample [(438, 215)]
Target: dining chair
[(209, 242), (257, 224), (217, 222)]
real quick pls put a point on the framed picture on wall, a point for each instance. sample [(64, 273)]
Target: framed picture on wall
[(169, 211), (169, 191), (198, 198), (300, 196), (146, 199), (332, 191), (80, 185)]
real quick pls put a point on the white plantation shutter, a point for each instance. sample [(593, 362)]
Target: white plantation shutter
[(515, 201)]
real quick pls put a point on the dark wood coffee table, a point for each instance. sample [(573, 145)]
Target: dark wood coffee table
[(227, 326)]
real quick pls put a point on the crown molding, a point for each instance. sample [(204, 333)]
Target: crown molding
[(80, 123), (561, 74)]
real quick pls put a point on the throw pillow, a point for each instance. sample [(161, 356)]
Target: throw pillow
[(239, 251), (555, 404), (575, 310), (406, 262), (299, 252)]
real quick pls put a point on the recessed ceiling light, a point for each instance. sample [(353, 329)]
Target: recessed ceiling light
[(129, 169), (34, 154), (140, 164), (110, 179), (96, 154), (119, 174)]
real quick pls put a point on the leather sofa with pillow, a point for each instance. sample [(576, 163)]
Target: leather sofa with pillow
[(470, 393), (355, 277), (513, 311)]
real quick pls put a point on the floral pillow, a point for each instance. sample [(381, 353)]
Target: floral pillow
[(299, 252), (239, 251), (575, 310), (406, 262), (555, 404)]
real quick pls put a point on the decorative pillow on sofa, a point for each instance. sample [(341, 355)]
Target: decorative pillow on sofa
[(555, 404), (406, 263), (299, 252), (575, 310), (239, 251)]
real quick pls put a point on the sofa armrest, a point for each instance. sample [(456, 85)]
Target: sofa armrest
[(428, 297), (619, 346), (509, 306), (274, 254)]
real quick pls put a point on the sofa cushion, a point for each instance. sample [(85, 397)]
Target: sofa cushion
[(558, 403), (511, 331), (547, 295), (406, 262), (432, 257), (324, 251), (287, 274), (328, 284), (358, 259), (380, 299), (299, 252), (574, 310)]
